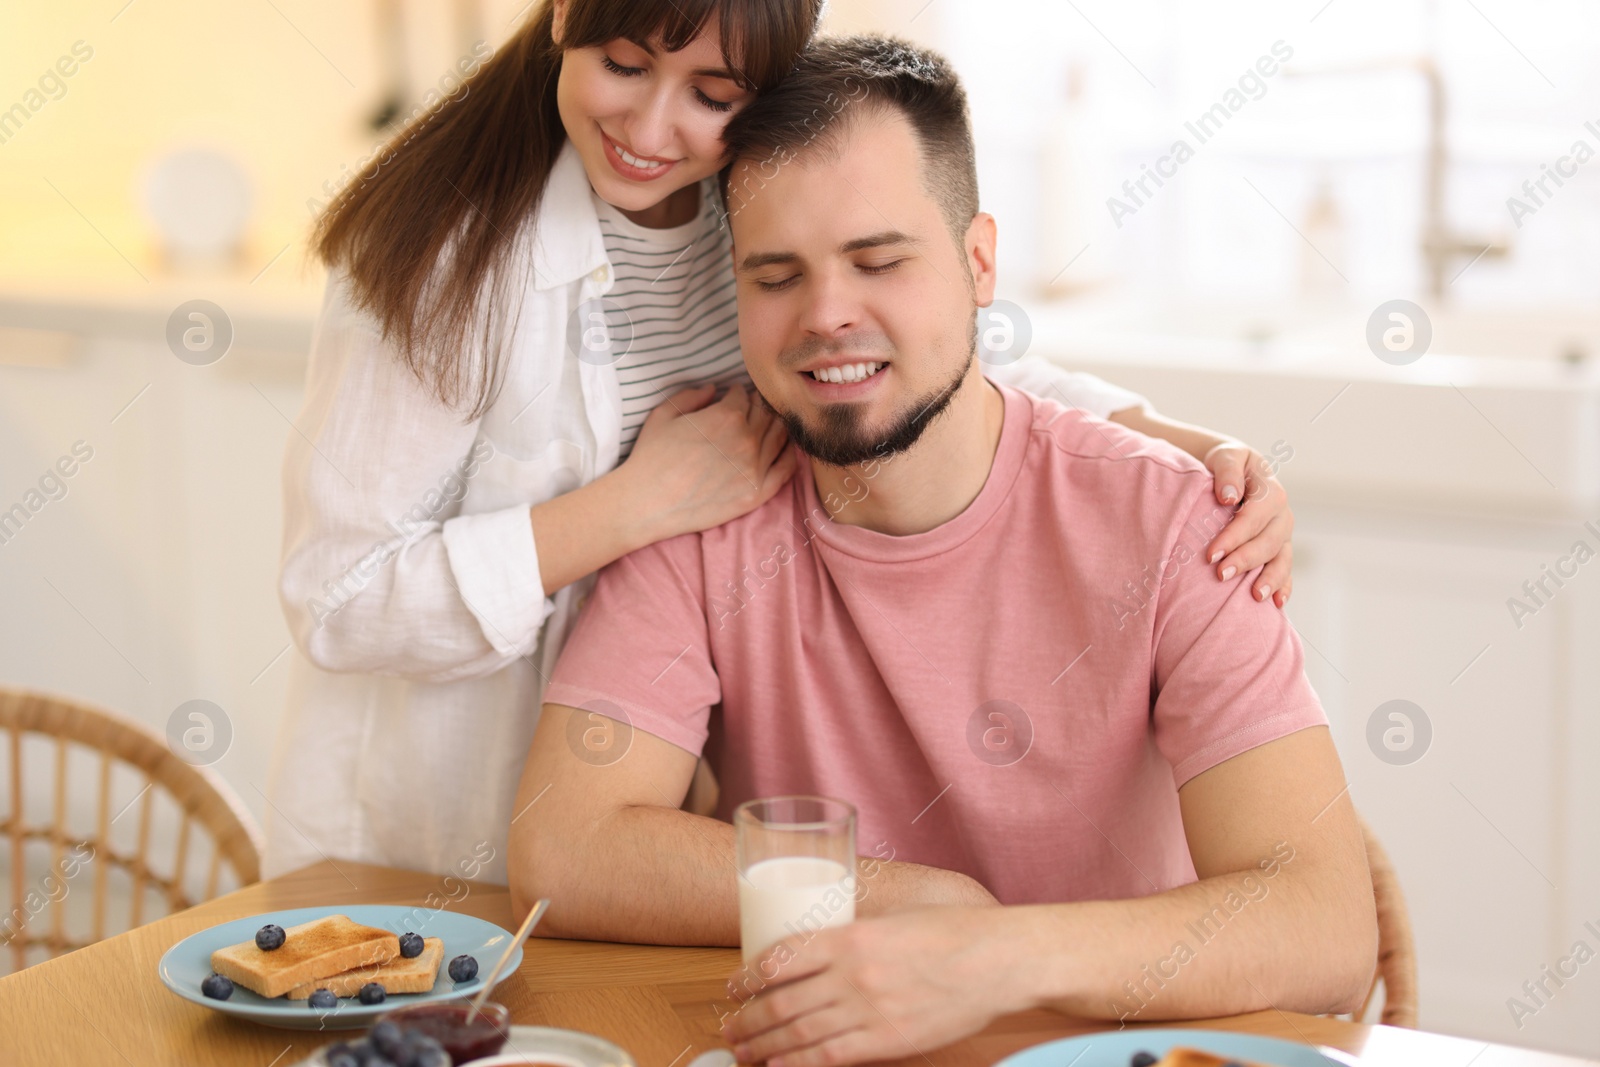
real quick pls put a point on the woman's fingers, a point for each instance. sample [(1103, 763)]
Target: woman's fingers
[(680, 403), (760, 412), (684, 401), (1276, 578), (777, 475), (737, 399), (1227, 464), (1264, 547), (1246, 525), (773, 441)]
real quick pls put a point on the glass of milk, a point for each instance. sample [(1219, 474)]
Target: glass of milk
[(797, 868)]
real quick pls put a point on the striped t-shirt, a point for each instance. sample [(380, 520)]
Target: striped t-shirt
[(671, 308)]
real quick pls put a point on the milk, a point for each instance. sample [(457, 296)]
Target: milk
[(792, 895)]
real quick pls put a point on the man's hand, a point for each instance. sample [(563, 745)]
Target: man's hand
[(1282, 867), (877, 989)]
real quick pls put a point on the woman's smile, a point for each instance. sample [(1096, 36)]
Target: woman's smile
[(631, 166)]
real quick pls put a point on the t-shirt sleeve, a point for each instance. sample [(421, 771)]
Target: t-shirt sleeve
[(1229, 670), (641, 649)]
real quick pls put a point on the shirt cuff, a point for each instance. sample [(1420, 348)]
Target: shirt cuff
[(1101, 398), (1246, 738), (496, 567), (689, 736), (1074, 389)]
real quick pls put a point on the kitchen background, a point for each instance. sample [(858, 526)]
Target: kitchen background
[(1214, 204)]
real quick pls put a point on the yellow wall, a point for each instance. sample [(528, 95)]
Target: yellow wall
[(282, 85)]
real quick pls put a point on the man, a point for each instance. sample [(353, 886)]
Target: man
[(979, 617)]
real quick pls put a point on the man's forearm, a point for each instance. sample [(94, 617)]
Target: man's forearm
[(644, 874), (1228, 944), (610, 846), (658, 875)]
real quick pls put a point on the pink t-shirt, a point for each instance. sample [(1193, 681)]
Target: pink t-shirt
[(1016, 694)]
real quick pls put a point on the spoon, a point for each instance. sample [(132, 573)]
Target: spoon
[(522, 935)]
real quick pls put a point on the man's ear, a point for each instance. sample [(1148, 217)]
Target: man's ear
[(979, 246), (558, 10)]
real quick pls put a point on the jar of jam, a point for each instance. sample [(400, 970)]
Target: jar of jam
[(446, 1022)]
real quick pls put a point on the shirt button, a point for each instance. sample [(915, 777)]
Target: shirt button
[(599, 274)]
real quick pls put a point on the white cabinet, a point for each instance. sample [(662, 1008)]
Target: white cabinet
[(1492, 828), (1417, 519), (151, 579)]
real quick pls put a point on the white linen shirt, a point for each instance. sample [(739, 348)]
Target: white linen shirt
[(410, 576)]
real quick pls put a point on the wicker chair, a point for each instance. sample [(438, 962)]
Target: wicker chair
[(199, 794), (1397, 951)]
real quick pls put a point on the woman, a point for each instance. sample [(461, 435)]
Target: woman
[(528, 315)]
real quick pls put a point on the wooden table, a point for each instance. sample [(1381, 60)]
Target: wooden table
[(105, 1005)]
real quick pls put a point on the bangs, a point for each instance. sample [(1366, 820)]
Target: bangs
[(760, 39)]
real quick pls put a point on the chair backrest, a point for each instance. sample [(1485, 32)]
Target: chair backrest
[(203, 800), (1397, 950)]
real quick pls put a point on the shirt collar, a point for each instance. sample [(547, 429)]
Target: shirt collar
[(566, 237)]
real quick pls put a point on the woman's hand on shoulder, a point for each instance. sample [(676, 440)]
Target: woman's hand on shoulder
[(1259, 533), (699, 462)]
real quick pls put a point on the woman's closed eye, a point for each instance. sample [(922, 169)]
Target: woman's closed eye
[(712, 103), (700, 95), (617, 68)]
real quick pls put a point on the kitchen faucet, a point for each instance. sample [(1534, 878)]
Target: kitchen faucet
[(1440, 244)]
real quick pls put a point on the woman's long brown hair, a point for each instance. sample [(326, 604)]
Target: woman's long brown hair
[(426, 241)]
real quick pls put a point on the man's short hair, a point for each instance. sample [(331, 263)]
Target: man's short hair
[(836, 81)]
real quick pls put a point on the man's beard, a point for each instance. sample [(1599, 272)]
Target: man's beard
[(842, 441)]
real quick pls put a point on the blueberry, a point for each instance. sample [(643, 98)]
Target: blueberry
[(372, 993), (387, 1037), (322, 998), (410, 945), (217, 987), (410, 1041), (269, 937), (421, 1050), (1142, 1059), (463, 969), (426, 1052), (341, 1055)]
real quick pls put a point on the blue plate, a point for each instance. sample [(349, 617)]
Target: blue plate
[(185, 965), (1115, 1048)]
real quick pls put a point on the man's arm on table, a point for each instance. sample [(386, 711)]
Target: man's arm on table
[(1303, 938), (608, 844)]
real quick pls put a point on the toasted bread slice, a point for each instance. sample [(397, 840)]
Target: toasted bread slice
[(399, 975), (1189, 1057), (320, 949)]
